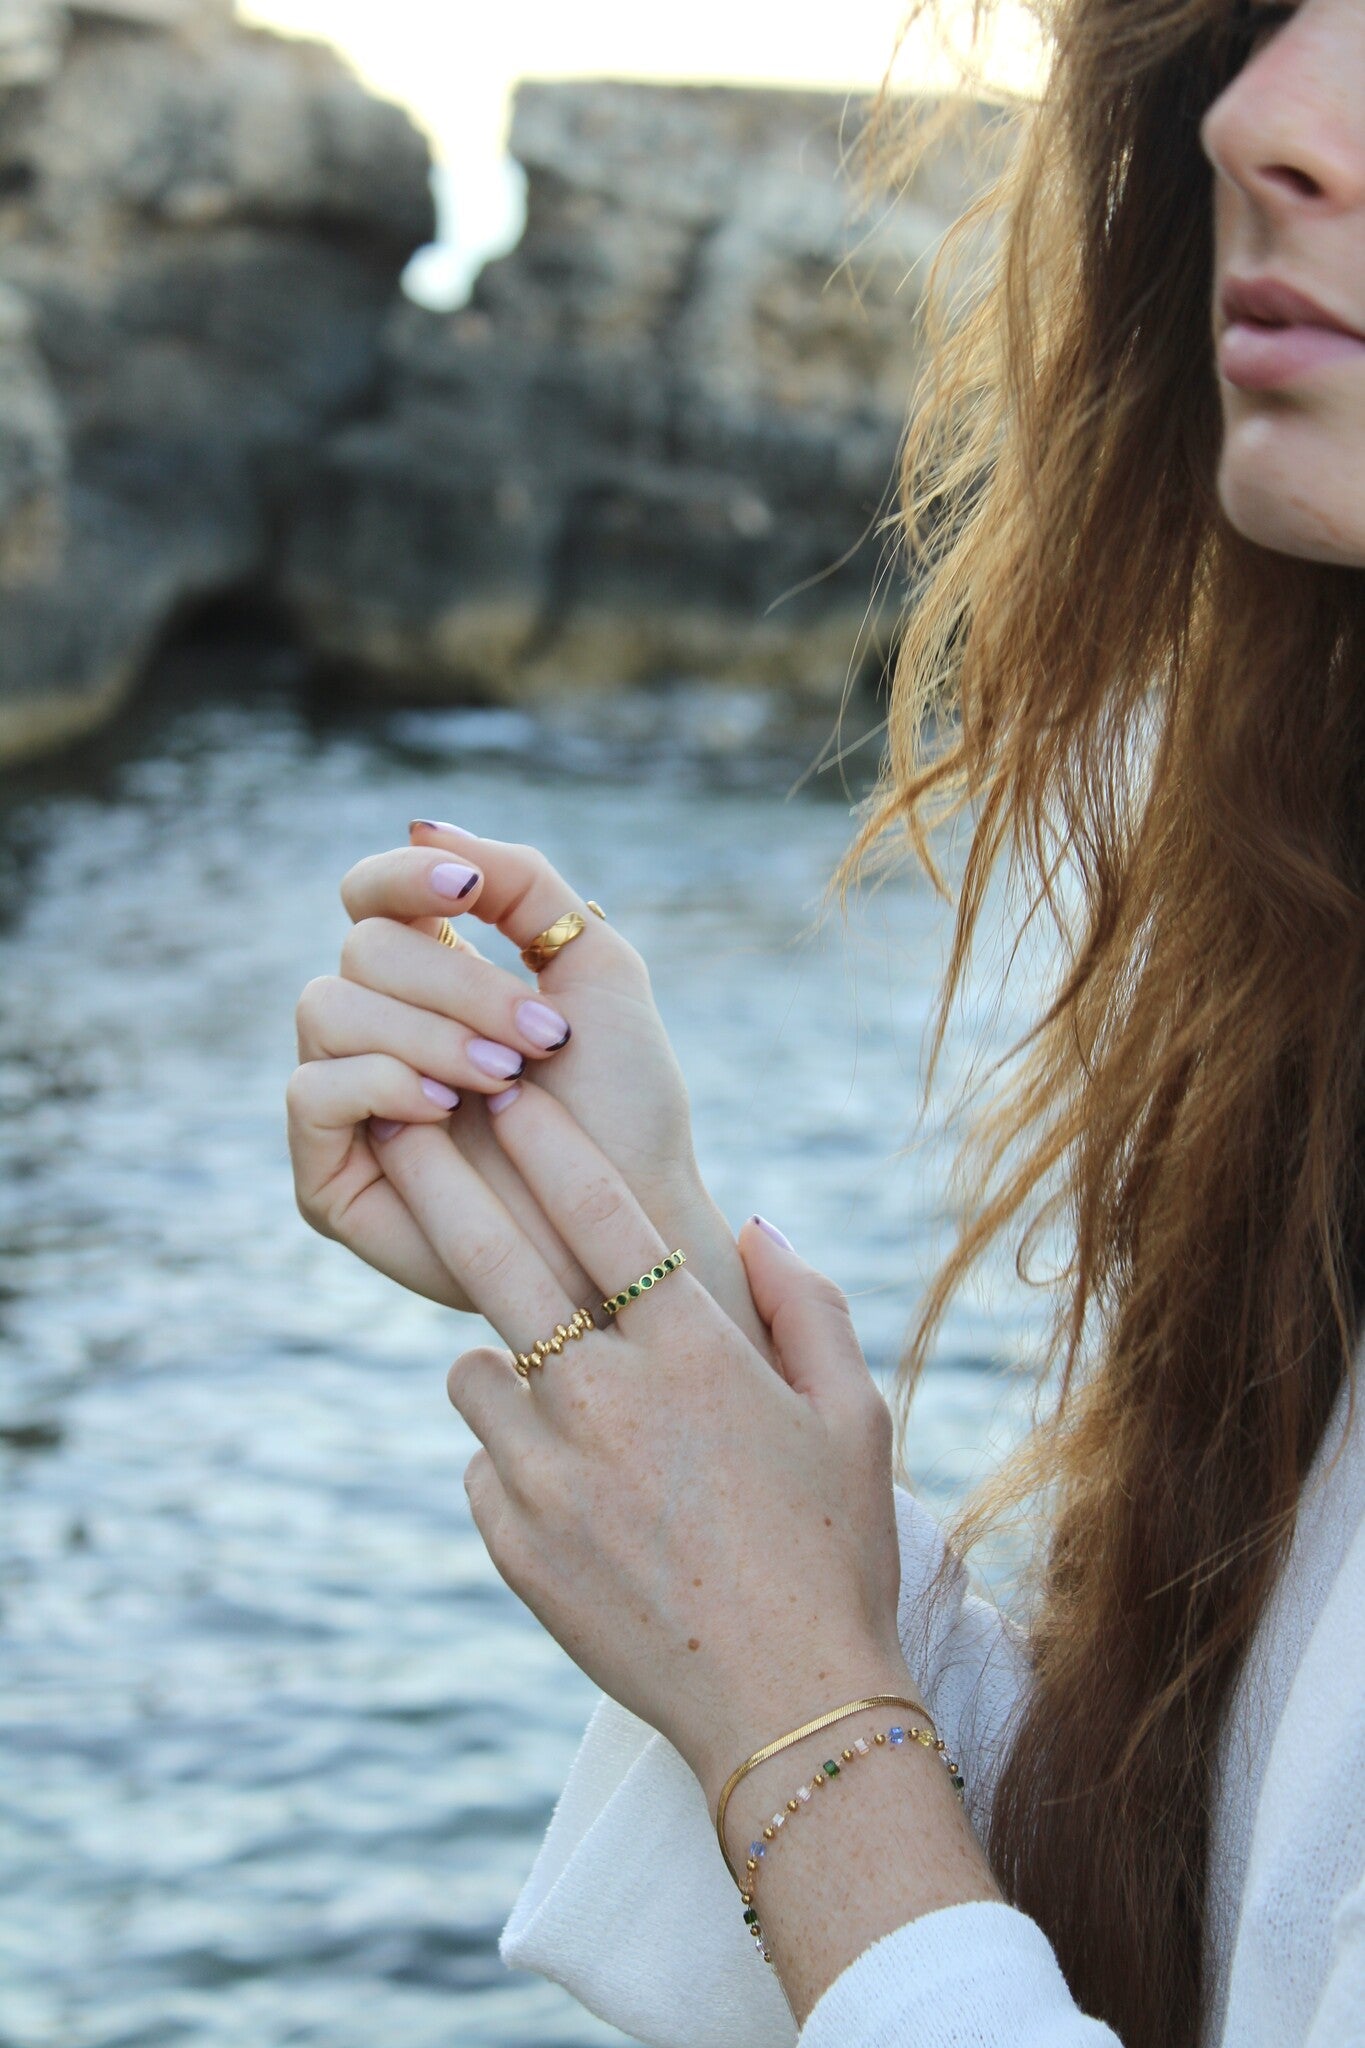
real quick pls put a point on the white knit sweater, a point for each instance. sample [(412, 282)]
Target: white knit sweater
[(630, 1907)]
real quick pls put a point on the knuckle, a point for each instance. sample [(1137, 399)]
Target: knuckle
[(481, 1261), (298, 1092), (599, 1202), (823, 1293), (362, 944), (468, 1367), (314, 1003)]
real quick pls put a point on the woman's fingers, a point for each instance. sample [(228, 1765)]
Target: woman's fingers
[(409, 882), (587, 1200), (394, 960), (523, 896), (476, 1237), (337, 1018), (339, 1184)]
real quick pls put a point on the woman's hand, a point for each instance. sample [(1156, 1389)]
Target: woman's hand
[(406, 1014), (713, 1541)]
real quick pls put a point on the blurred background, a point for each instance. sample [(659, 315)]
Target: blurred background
[(410, 409)]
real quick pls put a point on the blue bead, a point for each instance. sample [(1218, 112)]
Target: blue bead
[(758, 1848), (895, 1735)]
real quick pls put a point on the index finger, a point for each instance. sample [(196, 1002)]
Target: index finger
[(523, 895)]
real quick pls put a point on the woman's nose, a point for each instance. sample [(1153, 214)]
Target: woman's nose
[(1290, 128)]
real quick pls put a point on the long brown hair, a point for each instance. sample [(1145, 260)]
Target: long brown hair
[(1160, 729)]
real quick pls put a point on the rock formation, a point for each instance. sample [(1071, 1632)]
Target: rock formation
[(658, 441), (653, 441), (201, 230)]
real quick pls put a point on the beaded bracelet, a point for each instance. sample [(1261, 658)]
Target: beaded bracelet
[(889, 1738)]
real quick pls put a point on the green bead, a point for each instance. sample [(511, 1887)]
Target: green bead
[(750, 1916), (633, 1290), (830, 1769), (658, 1272)]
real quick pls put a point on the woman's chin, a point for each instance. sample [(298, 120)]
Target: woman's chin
[(1288, 483)]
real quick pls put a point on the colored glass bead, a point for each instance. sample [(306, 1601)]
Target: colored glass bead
[(757, 1849), (750, 1917), (803, 1793), (895, 1736), (830, 1768), (861, 1745)]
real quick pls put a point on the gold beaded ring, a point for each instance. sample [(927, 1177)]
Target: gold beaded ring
[(448, 935), (578, 1325), (616, 1302)]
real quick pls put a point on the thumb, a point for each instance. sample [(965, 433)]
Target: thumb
[(817, 1351)]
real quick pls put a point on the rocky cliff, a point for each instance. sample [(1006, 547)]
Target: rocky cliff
[(657, 442), (201, 230), (654, 441)]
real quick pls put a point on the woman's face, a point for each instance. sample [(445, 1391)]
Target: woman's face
[(1287, 143)]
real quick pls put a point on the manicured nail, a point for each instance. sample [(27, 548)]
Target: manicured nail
[(443, 1097), (499, 1062), (498, 1103), (453, 878), (382, 1127), (543, 1026), (774, 1233), (430, 825)]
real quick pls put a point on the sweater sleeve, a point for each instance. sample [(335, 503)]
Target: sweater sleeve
[(628, 1903), (985, 1976)]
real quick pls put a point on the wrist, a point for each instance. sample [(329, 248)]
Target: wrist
[(769, 1705)]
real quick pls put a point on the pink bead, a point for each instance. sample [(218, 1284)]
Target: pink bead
[(779, 1820), (860, 1745), (803, 1793)]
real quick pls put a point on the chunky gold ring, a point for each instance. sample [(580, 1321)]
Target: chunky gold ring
[(617, 1302), (448, 935), (553, 939), (578, 1325)]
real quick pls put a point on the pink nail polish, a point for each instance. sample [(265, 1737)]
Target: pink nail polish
[(430, 825), (499, 1062), (498, 1103), (453, 878), (382, 1127), (545, 1028), (774, 1233), (443, 1097)]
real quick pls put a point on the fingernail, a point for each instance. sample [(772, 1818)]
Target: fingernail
[(437, 1092), (498, 1103), (453, 878), (430, 825), (382, 1127), (774, 1233), (543, 1026), (497, 1061)]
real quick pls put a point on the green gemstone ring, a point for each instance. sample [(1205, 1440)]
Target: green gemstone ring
[(617, 1302)]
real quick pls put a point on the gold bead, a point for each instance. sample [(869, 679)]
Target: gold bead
[(751, 1864), (848, 1756), (792, 1805), (819, 1778), (879, 1739), (746, 1898), (768, 1833)]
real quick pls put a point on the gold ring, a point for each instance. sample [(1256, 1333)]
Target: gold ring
[(448, 935), (578, 1325), (617, 1302), (552, 940)]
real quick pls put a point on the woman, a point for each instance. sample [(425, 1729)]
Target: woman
[(1145, 458)]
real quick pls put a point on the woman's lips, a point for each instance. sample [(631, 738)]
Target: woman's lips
[(1274, 336)]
